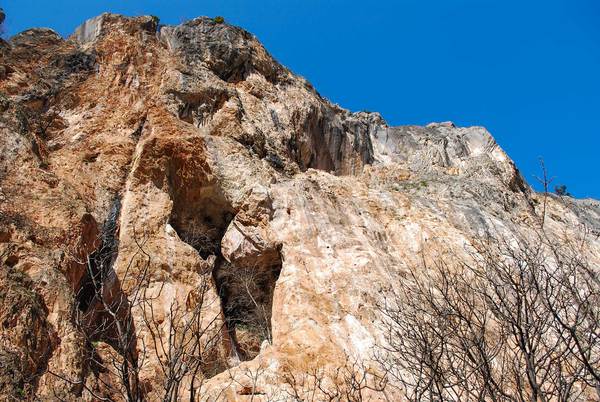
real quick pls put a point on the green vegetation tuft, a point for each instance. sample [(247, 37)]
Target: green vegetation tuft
[(562, 191)]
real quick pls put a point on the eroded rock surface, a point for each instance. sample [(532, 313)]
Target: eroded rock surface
[(159, 159)]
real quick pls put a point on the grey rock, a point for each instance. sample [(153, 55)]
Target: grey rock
[(90, 30), (230, 52)]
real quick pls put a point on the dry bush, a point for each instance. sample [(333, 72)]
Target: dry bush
[(351, 381), (515, 320), (184, 343), (246, 294)]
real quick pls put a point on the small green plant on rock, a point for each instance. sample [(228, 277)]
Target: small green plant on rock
[(2, 18), (562, 191), (218, 19)]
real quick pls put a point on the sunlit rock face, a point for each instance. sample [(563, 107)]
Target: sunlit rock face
[(159, 159)]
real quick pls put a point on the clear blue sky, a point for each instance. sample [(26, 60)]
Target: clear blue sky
[(528, 70)]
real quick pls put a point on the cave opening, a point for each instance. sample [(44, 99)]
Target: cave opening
[(245, 288), (246, 292), (201, 218)]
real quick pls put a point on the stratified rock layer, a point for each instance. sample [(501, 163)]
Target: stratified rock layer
[(192, 144)]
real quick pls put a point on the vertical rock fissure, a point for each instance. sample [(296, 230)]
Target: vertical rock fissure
[(104, 311), (100, 262)]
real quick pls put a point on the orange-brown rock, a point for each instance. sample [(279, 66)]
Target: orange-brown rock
[(154, 170)]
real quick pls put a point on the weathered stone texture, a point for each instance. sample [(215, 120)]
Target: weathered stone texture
[(220, 158)]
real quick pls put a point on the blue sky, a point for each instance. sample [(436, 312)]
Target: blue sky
[(527, 70)]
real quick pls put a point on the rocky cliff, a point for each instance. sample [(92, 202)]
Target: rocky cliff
[(172, 187)]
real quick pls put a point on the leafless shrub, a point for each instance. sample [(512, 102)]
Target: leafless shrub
[(185, 351), (182, 342), (351, 381), (246, 293), (205, 241), (517, 320)]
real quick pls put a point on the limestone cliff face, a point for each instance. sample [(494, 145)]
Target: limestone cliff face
[(157, 159)]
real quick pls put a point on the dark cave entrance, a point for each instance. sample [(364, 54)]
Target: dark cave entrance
[(201, 218), (246, 292)]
